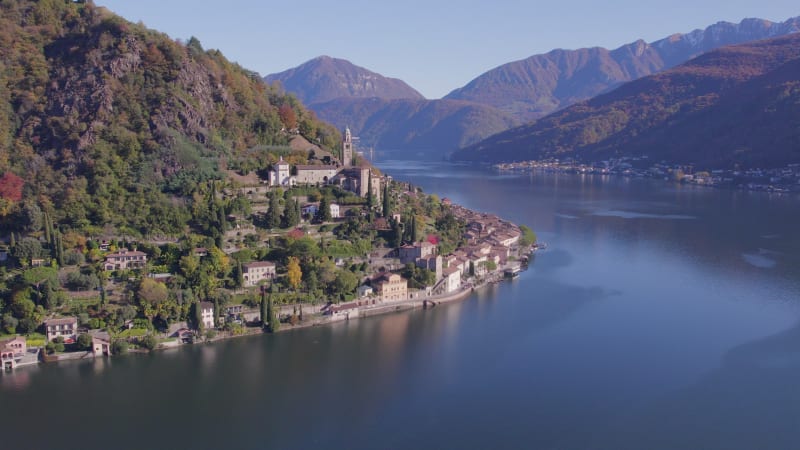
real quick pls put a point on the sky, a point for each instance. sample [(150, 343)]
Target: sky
[(433, 45)]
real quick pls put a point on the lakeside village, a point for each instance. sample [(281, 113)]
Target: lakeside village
[(778, 180), (298, 245)]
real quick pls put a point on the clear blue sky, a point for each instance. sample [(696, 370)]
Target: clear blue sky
[(433, 45)]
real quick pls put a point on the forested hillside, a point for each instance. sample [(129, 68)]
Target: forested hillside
[(107, 123), (739, 105)]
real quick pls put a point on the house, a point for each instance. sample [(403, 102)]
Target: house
[(432, 263), (310, 209), (233, 313), (411, 253), (200, 252), (342, 311), (254, 273), (365, 291), (101, 344), (11, 350), (391, 287), (335, 214), (280, 174), (37, 262), (66, 328), (207, 314), (125, 259), (315, 175), (452, 279)]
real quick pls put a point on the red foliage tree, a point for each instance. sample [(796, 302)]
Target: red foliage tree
[(288, 117), (11, 187)]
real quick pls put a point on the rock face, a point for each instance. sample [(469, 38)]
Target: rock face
[(538, 85), (738, 105), (324, 78)]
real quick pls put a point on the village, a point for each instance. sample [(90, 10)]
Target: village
[(349, 243), (778, 180)]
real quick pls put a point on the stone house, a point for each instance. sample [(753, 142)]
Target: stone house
[(66, 328), (125, 259), (391, 287), (254, 273)]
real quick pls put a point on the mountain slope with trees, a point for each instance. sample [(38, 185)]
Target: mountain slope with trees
[(733, 106), (112, 124), (536, 86)]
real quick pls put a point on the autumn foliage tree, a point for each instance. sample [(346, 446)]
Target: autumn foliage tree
[(294, 273), (288, 117)]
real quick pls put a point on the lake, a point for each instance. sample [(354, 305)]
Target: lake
[(660, 316)]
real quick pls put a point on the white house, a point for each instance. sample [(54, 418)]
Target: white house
[(207, 314), (452, 279), (255, 272), (365, 291), (280, 175), (335, 211)]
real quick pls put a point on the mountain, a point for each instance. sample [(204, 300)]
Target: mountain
[(538, 85), (735, 105), (430, 126), (387, 113), (324, 78), (111, 124)]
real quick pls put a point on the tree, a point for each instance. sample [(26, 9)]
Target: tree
[(274, 320), (119, 347), (28, 249), (148, 341), (291, 216), (324, 211), (197, 316), (293, 272), (264, 311), (10, 323), (151, 295), (370, 197), (11, 187), (288, 116), (528, 236), (387, 202), (273, 214), (84, 341), (345, 282)]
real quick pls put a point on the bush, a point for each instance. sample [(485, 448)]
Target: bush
[(119, 347), (73, 258), (84, 341), (149, 342)]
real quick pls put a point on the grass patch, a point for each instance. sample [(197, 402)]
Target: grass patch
[(133, 332), (35, 340)]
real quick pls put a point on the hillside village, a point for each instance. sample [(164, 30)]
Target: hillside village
[(304, 244)]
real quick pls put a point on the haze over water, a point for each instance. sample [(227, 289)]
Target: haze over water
[(660, 316)]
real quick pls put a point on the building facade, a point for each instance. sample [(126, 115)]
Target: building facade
[(66, 328), (391, 287), (347, 148), (207, 314), (11, 350), (315, 175), (125, 259), (280, 175), (255, 272)]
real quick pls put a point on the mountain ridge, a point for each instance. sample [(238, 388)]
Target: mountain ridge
[(734, 105), (533, 87)]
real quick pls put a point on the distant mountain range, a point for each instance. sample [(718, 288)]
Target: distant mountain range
[(324, 78), (427, 127), (735, 105), (388, 114), (538, 85)]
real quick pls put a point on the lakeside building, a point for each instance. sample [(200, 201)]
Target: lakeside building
[(391, 287), (207, 314), (66, 328), (365, 291), (101, 344), (452, 279), (11, 351), (254, 273), (125, 259)]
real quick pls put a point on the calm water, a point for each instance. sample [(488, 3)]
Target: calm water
[(660, 317)]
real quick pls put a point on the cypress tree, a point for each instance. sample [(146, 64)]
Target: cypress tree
[(217, 313), (414, 228), (273, 214), (264, 312), (198, 316), (301, 312), (290, 216), (13, 241), (387, 207), (239, 275), (370, 198), (48, 230)]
